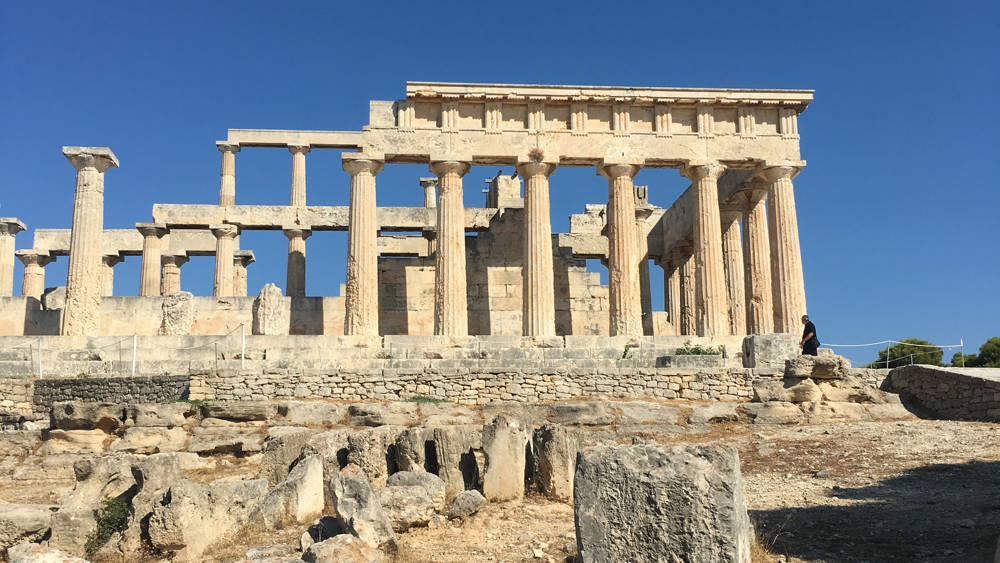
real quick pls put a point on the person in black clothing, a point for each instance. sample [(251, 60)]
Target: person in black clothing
[(809, 341)]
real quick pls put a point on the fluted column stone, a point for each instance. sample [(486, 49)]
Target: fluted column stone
[(710, 276), (241, 259), (298, 195), (450, 292), (687, 283), (170, 273), (788, 283), (295, 275), (83, 275), (9, 227), (538, 284), (225, 246), (361, 315), (227, 176), (757, 263), (152, 250), (672, 289), (732, 255), (108, 263), (430, 201), (33, 284), (623, 265), (642, 255)]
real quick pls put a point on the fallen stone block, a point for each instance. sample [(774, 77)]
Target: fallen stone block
[(239, 410), (35, 553), (282, 447), (713, 413), (357, 508), (296, 500), (159, 414), (504, 443), (24, 522), (581, 413), (381, 414), (223, 440), (344, 548), (431, 483), (374, 451), (639, 412), (659, 503), (773, 413), (151, 440), (556, 449), (406, 506), (818, 367), (75, 442), (314, 414), (819, 413), (466, 503), (80, 415), (888, 411)]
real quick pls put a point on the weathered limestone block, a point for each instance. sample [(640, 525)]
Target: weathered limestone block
[(373, 450), (282, 448), (296, 500), (159, 414), (640, 412), (380, 414), (343, 548), (556, 450), (271, 313), (431, 483), (35, 553), (466, 503), (80, 415), (333, 448), (239, 410), (504, 443), (658, 503), (309, 413), (406, 506), (23, 522), (357, 508), (713, 413), (818, 367), (75, 442), (791, 389), (773, 413), (851, 390), (769, 350), (151, 440), (820, 413), (888, 411), (224, 440), (581, 413), (178, 314)]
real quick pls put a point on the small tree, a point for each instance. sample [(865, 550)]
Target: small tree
[(989, 354), (960, 360), (909, 351)]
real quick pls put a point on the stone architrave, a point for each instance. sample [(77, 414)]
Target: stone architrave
[(271, 314), (241, 259), (108, 263), (83, 279), (9, 227), (538, 285), (227, 176), (623, 266), (732, 255), (152, 250), (710, 276), (298, 194), (688, 326), (450, 291), (225, 246), (33, 284), (788, 284), (361, 304), (757, 259), (170, 273), (295, 276)]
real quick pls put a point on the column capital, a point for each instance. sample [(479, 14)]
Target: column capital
[(697, 171), (528, 169), (297, 232), (226, 146), (157, 230), (428, 182), (772, 174), (612, 170), (244, 258), (10, 226), (730, 212), (174, 259), (112, 259), (357, 163), (442, 167), (100, 158), (299, 149), (29, 256), (224, 230)]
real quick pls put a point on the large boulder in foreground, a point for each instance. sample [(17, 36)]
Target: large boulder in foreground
[(343, 548), (357, 508), (660, 503)]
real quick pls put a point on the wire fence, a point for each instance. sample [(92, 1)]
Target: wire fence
[(907, 357)]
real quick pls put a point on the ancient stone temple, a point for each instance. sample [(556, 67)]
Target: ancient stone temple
[(728, 245)]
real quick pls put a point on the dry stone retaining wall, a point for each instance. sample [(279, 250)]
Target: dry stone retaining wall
[(954, 393), (162, 389)]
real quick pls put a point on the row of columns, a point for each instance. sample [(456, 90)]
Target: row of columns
[(754, 287)]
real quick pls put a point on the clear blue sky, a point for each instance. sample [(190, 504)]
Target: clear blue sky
[(898, 209)]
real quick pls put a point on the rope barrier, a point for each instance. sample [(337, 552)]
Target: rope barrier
[(240, 326), (959, 345)]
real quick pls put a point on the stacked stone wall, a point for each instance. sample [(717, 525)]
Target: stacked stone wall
[(161, 389), (952, 393), (16, 394)]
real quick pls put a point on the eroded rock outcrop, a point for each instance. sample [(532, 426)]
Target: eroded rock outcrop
[(357, 508)]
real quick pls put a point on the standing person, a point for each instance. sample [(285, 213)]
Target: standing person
[(809, 341)]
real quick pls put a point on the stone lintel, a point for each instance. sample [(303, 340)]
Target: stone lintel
[(100, 157)]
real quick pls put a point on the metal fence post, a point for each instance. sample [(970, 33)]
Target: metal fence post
[(243, 345), (41, 374), (135, 339)]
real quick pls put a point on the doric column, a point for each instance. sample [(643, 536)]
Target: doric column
[(9, 227), (225, 246), (295, 276), (710, 275), (642, 255), (170, 275), (299, 153), (672, 289), (732, 256), (83, 275), (788, 284), (687, 283), (34, 272), (227, 180), (242, 259), (538, 305), (623, 265), (108, 263), (152, 249), (757, 263), (430, 200), (451, 299), (361, 315)]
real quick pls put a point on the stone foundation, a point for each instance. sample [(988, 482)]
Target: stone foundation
[(950, 393)]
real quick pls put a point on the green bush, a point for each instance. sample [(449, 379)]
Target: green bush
[(112, 518), (698, 350)]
